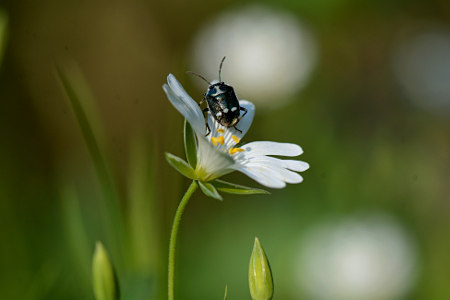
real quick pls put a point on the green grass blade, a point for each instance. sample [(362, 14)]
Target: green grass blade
[(82, 103), (76, 235), (3, 33), (143, 213)]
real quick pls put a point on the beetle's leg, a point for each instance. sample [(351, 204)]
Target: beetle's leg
[(208, 130), (240, 118), (245, 112), (237, 129), (203, 100)]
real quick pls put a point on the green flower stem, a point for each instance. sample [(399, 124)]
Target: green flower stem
[(174, 233)]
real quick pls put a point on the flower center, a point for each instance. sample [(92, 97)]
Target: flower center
[(217, 140), (234, 150), (220, 141)]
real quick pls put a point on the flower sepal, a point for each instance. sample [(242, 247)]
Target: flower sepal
[(181, 166), (190, 144), (209, 190), (232, 188)]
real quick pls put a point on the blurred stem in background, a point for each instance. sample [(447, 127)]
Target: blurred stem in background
[(143, 228), (79, 242), (3, 33), (132, 236), (82, 101), (173, 236)]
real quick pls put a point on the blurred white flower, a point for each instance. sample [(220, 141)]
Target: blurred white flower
[(270, 54), (357, 259), (422, 67), (218, 155)]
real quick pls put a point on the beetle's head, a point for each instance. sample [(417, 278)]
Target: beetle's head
[(218, 88)]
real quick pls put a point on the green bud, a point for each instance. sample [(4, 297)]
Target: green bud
[(259, 274), (105, 282)]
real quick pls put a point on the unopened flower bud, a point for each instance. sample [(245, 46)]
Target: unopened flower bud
[(104, 277), (259, 274)]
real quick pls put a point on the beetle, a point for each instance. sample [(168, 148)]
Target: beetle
[(222, 103)]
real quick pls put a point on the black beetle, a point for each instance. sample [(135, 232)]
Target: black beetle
[(222, 103)]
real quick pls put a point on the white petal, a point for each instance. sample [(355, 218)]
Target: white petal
[(278, 167), (262, 175), (294, 165), (272, 148), (185, 104), (243, 125), (269, 170), (276, 171), (246, 121)]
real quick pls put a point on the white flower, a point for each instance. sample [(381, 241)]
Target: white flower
[(421, 64), (218, 155), (359, 258)]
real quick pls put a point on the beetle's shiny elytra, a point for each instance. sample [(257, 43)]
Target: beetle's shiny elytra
[(222, 103)]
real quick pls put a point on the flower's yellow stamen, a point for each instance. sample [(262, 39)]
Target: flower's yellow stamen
[(234, 150), (235, 139), (217, 140), (220, 130)]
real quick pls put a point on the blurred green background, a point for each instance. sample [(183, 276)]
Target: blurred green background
[(374, 126)]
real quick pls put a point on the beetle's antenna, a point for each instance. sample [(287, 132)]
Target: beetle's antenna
[(198, 75), (220, 69)]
